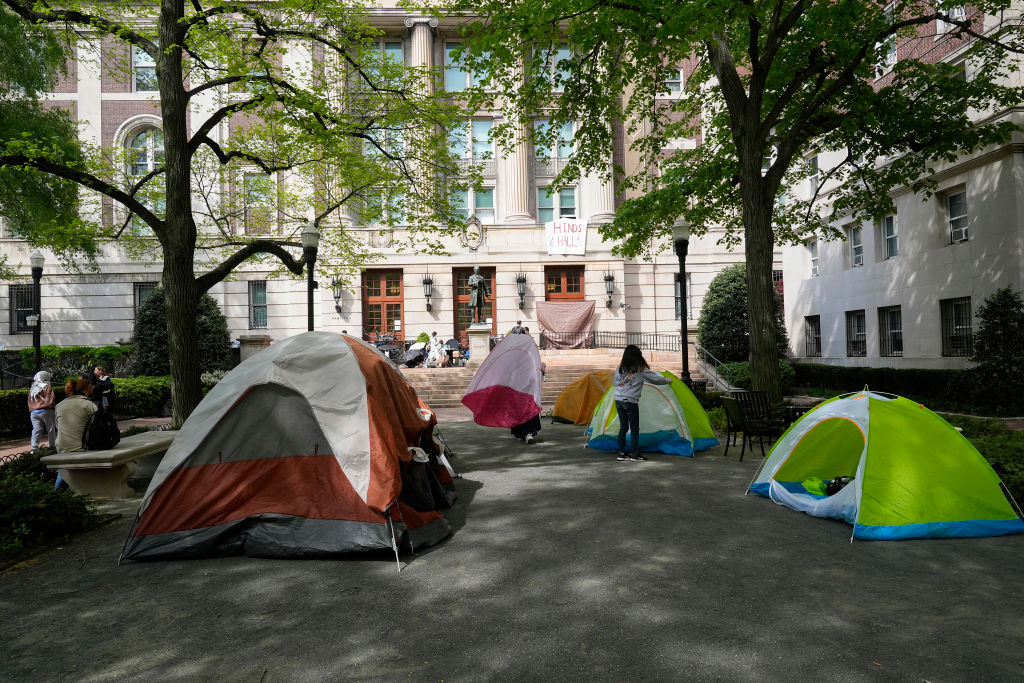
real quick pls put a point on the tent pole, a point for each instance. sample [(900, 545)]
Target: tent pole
[(1012, 499), (138, 516), (757, 472), (394, 541)]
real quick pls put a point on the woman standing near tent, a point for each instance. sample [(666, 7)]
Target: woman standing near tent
[(629, 380), (40, 406)]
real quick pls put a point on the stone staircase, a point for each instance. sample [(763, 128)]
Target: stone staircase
[(444, 387)]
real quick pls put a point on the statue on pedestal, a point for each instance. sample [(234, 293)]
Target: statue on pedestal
[(479, 290)]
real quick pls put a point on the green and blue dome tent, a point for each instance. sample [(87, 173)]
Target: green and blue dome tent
[(910, 473), (672, 421)]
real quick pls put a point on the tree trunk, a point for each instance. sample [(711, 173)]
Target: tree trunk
[(760, 245), (178, 237)]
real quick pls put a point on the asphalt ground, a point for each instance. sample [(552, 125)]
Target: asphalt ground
[(564, 565)]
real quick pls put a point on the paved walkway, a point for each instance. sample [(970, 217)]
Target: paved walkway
[(564, 565)]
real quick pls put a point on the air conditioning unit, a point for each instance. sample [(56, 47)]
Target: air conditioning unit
[(814, 271), (858, 260), (958, 235)]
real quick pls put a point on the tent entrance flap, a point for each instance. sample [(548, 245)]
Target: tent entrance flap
[(832, 448)]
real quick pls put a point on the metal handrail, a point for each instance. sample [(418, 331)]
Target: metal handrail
[(718, 372)]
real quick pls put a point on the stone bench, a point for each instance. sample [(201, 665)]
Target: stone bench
[(104, 474)]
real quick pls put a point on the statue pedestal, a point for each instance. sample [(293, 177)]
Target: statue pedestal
[(479, 343)]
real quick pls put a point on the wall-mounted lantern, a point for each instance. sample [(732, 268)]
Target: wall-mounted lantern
[(336, 290), (428, 288), (609, 287), (521, 287)]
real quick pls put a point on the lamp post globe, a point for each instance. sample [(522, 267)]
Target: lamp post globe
[(310, 241), (36, 260), (681, 240)]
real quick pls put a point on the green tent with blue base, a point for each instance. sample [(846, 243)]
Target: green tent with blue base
[(672, 421), (910, 473)]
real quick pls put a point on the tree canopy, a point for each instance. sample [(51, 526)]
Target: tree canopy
[(767, 88), (268, 115), (33, 206)]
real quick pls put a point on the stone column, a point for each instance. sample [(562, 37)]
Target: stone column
[(598, 196), (421, 53), (514, 174)]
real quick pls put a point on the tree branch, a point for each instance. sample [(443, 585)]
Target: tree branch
[(209, 279)]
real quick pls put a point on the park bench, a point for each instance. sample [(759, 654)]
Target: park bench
[(104, 474)]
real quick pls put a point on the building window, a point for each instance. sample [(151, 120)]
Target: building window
[(956, 326), (890, 331), (382, 301), (956, 212), (383, 209), (856, 334), (813, 179), (23, 299), (812, 255), (472, 140), (257, 305), (384, 141), (392, 50), (142, 291), (890, 237), (559, 66), (855, 236), (257, 203), (563, 284), (560, 147), (546, 204), (457, 77), (145, 155), (887, 49), (479, 203), (673, 81), (679, 299), (144, 71), (812, 336)]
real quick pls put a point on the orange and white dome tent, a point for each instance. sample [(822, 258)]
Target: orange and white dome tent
[(300, 451)]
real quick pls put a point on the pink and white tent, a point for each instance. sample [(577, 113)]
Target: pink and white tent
[(506, 390)]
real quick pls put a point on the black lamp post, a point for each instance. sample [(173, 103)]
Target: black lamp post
[(428, 288), (609, 287), (681, 238), (521, 288), (336, 290), (37, 261), (310, 242)]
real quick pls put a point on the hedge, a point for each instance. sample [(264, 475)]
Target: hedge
[(739, 374), (136, 397), (946, 385), (63, 362)]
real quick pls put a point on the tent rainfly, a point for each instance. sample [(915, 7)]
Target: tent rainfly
[(904, 471), (314, 446)]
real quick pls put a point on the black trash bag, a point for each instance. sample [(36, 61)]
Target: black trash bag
[(836, 485)]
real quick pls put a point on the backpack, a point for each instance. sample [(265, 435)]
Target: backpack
[(101, 432)]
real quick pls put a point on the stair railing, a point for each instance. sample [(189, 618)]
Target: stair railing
[(712, 368)]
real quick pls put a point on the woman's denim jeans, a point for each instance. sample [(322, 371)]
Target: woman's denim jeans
[(629, 419)]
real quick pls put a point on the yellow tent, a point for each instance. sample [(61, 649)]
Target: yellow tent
[(577, 401)]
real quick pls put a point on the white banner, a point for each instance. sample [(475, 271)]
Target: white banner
[(566, 237)]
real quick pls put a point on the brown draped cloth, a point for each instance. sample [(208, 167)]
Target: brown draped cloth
[(566, 324)]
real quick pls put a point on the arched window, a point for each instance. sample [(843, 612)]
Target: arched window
[(147, 152)]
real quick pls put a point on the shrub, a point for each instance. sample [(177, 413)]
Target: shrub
[(739, 374), (999, 349), (422, 337), (33, 512), (210, 379), (723, 329), (150, 336), (63, 362), (945, 389)]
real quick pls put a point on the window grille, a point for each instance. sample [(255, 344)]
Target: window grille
[(142, 290), (23, 299), (812, 336), (257, 305), (957, 339), (890, 331), (856, 333)]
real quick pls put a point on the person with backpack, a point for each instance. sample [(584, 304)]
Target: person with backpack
[(629, 380), (73, 416)]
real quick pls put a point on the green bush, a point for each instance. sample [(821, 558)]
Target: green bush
[(422, 337), (149, 338), (999, 349), (136, 397), (739, 374), (32, 511), (63, 362), (723, 329)]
